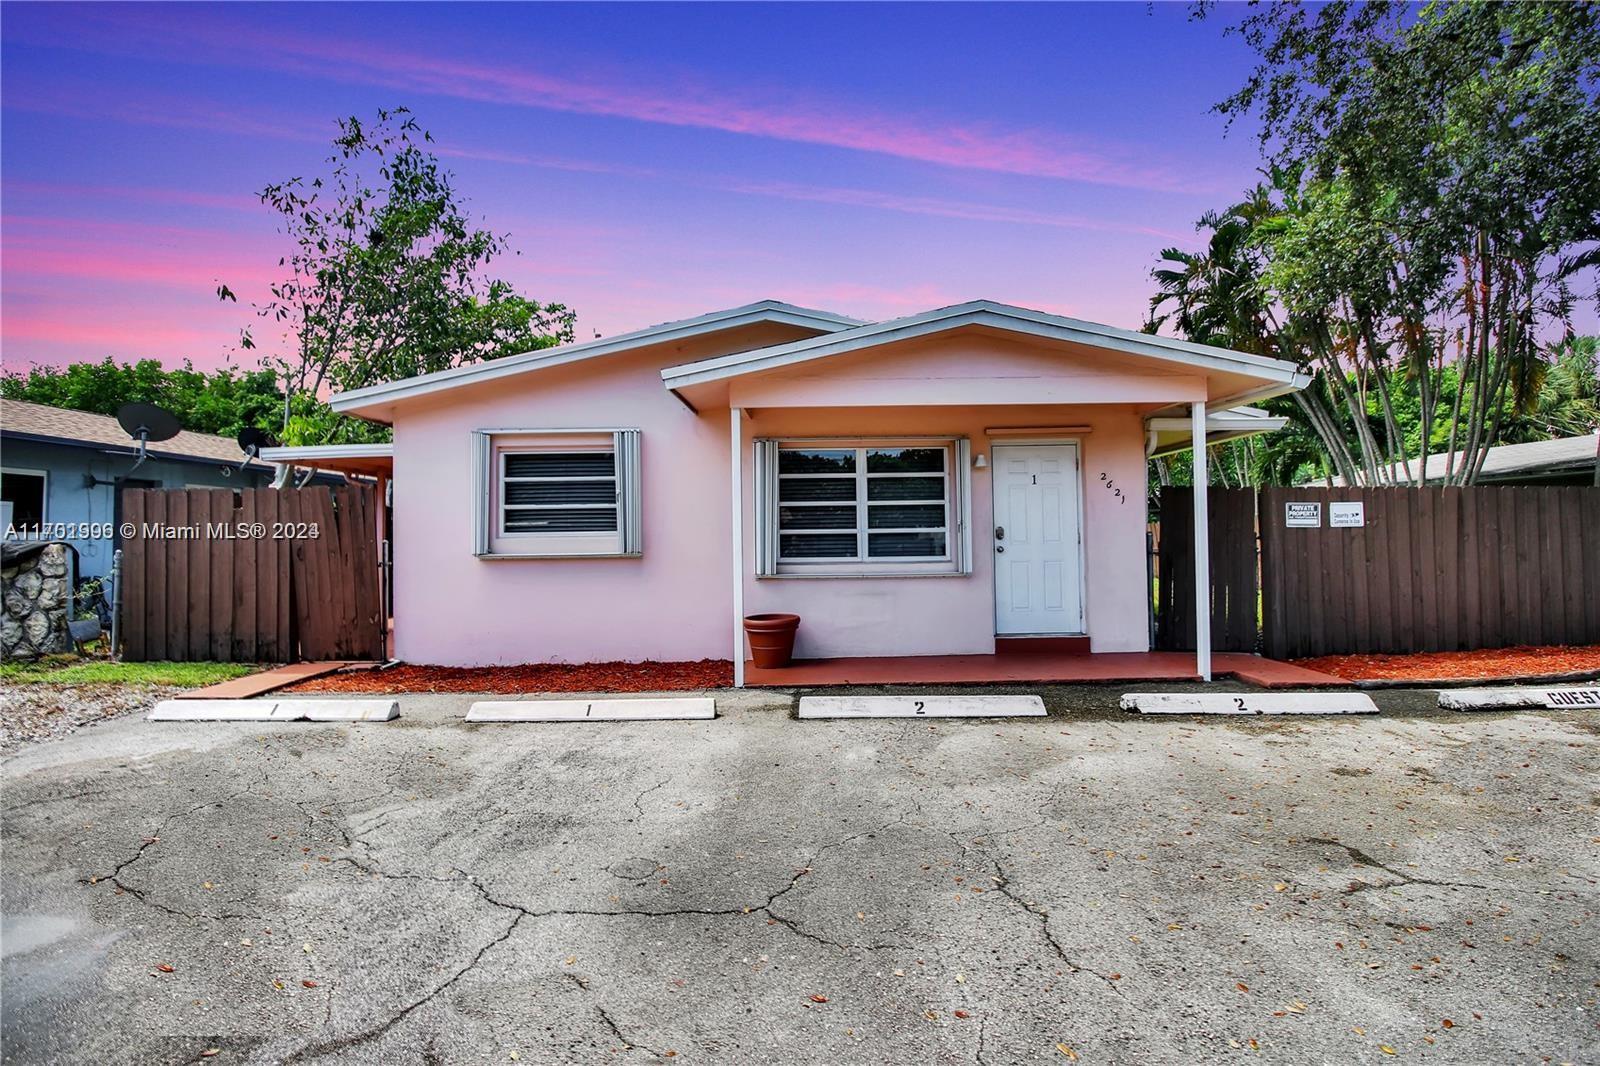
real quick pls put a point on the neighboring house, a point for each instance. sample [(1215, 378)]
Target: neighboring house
[(1563, 461), (922, 486), (65, 468)]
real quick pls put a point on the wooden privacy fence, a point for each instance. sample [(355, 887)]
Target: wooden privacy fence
[(1434, 569), (1233, 570), (253, 575)]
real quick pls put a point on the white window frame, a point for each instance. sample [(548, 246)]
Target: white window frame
[(44, 494), (957, 557), (493, 447)]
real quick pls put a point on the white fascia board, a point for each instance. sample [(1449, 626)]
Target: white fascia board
[(313, 452), (1221, 426), (1241, 399), (1229, 420), (750, 314), (983, 313)]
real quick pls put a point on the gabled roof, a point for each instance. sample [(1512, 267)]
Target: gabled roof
[(992, 314), (732, 318), (59, 425)]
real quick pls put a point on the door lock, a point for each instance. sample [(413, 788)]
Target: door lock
[(999, 532)]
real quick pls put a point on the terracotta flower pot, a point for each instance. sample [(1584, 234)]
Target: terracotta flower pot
[(771, 638)]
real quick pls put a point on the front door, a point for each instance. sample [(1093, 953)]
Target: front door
[(1038, 583)]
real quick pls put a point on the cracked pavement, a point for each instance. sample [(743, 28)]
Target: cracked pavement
[(758, 889)]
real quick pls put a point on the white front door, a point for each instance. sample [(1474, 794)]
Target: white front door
[(1038, 583)]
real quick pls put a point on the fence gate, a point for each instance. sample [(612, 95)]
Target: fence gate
[(1232, 538), (251, 575), (1431, 569)]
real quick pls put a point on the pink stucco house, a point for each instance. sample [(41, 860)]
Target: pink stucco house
[(922, 486)]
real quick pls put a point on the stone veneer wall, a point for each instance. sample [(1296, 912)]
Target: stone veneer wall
[(34, 596)]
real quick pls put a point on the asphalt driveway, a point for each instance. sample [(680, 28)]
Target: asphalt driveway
[(1088, 887)]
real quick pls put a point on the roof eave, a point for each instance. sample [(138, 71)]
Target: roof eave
[(375, 396), (1283, 376), (131, 450)]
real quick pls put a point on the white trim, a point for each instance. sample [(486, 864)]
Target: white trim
[(983, 313), (731, 318), (1202, 545), (764, 477), (482, 459), (1232, 424), (314, 452), (44, 492), (1083, 553), (490, 539), (1008, 432), (735, 450), (963, 506), (954, 561), (630, 490)]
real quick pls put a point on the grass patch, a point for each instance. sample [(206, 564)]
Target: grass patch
[(64, 670)]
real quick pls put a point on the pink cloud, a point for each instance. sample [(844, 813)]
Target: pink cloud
[(98, 229), (77, 193), (669, 100), (188, 112), (67, 329), (928, 205), (131, 266), (160, 109)]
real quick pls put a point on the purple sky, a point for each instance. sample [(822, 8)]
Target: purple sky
[(649, 162)]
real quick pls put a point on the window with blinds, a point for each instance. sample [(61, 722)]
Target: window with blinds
[(861, 507), (557, 494)]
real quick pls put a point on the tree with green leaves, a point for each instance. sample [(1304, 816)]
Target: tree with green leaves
[(1433, 203), (220, 401), (387, 278)]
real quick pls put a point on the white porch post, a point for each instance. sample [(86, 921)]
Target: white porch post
[(1202, 544), (735, 450)]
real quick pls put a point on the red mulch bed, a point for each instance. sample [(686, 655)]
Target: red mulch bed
[(535, 677), (1492, 664)]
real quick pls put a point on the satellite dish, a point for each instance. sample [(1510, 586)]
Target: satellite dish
[(145, 422), (252, 440)]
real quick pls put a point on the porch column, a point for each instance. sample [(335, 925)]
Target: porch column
[(735, 449), (1202, 543)]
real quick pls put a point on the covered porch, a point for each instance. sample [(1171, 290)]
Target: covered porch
[(1044, 425)]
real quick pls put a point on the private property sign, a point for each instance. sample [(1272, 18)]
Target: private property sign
[(1308, 515)]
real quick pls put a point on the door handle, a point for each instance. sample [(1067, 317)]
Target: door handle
[(1000, 547)]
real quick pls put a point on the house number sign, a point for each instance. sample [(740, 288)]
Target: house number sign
[(1112, 485)]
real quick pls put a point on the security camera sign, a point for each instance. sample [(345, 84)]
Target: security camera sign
[(1308, 515), (1347, 515)]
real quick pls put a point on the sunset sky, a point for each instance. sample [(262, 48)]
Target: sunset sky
[(649, 162)]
